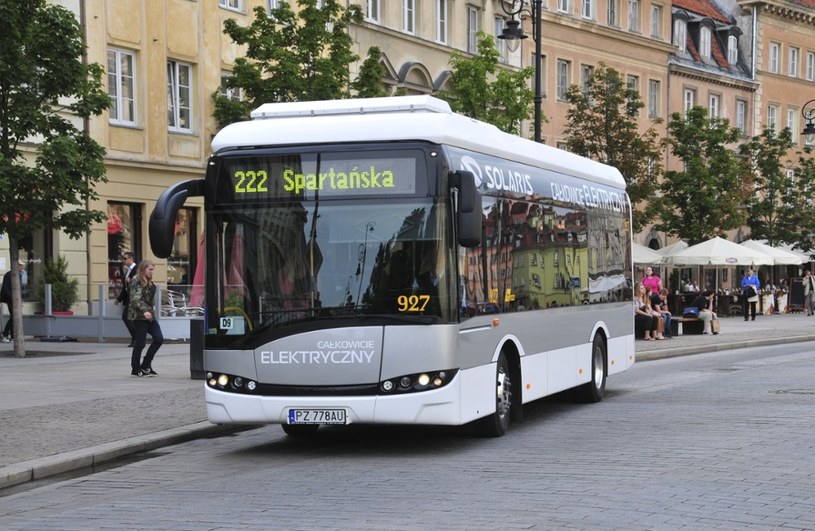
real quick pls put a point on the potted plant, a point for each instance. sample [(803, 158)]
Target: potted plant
[(63, 288)]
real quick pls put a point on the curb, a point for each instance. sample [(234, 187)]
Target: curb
[(45, 467), (658, 354)]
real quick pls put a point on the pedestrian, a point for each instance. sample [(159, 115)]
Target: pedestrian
[(704, 302), (749, 292), (129, 261), (141, 312), (5, 296), (809, 292), (651, 281)]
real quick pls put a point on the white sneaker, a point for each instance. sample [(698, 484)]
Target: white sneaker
[(6, 340)]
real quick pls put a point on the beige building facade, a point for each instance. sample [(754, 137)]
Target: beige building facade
[(165, 58)]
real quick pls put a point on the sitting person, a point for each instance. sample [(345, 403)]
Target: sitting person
[(704, 302), (644, 316), (659, 302)]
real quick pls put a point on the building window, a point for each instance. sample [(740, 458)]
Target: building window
[(656, 21), (472, 29), (124, 234), (230, 4), (792, 123), (585, 75), (179, 96), (741, 116), (714, 105), (680, 34), (794, 59), (563, 6), (409, 16), (588, 9), (121, 86), (441, 21), (372, 10), (500, 44), (775, 53), (810, 73), (542, 73), (633, 15), (181, 263), (232, 93), (613, 13), (653, 98), (772, 118), (704, 42), (688, 99), (563, 75), (732, 50)]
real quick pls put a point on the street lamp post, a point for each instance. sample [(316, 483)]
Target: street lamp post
[(809, 126), (514, 34)]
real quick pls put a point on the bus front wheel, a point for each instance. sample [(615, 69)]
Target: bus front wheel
[(497, 423), (594, 389)]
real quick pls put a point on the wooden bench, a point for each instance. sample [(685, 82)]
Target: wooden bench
[(686, 325)]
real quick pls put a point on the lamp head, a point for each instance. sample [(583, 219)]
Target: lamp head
[(513, 34)]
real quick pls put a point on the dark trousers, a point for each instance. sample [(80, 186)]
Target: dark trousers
[(129, 325), (142, 328), (751, 306), (8, 330)]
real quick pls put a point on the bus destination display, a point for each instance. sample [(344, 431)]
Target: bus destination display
[(296, 177)]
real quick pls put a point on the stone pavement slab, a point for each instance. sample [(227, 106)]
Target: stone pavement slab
[(72, 405)]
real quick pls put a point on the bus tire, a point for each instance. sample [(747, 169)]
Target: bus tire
[(300, 430), (594, 390), (496, 424)]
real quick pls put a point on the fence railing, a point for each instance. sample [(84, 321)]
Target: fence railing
[(174, 316)]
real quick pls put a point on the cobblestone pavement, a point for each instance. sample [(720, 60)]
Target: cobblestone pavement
[(72, 405)]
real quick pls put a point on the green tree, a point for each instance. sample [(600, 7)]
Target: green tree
[(480, 89), (775, 206), (296, 56), (602, 123), (48, 166), (706, 199), (802, 235)]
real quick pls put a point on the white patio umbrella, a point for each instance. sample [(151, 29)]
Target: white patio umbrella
[(718, 252), (780, 256), (645, 255), (805, 258), (672, 248)]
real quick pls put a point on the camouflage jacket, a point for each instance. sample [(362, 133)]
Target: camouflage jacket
[(142, 300)]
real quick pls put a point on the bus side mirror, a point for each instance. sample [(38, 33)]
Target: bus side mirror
[(468, 208), (162, 219)]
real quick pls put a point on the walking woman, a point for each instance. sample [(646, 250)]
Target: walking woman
[(140, 312), (749, 292)]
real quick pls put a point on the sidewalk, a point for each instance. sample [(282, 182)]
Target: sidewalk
[(73, 405)]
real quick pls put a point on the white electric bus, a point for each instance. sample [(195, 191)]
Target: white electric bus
[(388, 261)]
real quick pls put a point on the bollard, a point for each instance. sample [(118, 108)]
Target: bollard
[(197, 349)]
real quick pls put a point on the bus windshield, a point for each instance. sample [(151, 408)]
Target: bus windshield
[(276, 265)]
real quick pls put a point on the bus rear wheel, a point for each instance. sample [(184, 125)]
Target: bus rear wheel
[(300, 430), (497, 423), (594, 390)]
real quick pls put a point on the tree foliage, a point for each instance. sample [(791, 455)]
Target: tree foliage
[(296, 56), (480, 89), (707, 198), (48, 166), (603, 125), (780, 205)]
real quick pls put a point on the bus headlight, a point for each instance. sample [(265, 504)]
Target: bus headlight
[(423, 381)]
